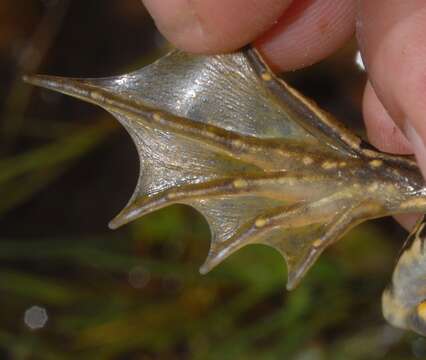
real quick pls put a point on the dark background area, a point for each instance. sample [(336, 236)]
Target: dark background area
[(66, 169)]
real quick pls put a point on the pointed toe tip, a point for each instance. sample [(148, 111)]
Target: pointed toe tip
[(208, 265), (290, 286), (46, 81), (120, 219), (26, 78), (33, 79), (203, 270), (293, 280), (114, 224), (213, 259)]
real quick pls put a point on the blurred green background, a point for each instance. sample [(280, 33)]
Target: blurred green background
[(70, 288)]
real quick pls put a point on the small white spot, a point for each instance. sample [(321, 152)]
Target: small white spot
[(358, 61), (35, 317), (138, 277)]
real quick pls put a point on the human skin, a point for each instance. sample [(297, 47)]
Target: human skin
[(294, 34)]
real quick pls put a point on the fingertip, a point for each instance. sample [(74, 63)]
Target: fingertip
[(407, 221), (211, 26), (295, 35), (307, 32), (382, 131)]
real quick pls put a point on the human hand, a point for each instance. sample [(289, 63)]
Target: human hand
[(295, 34)]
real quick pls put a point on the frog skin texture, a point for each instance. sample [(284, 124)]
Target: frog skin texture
[(261, 162)]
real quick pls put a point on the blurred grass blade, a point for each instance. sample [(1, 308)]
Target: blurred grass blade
[(23, 175)]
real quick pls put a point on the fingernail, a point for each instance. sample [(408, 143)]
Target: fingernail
[(418, 146)]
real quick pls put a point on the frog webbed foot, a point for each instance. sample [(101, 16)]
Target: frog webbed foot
[(224, 135)]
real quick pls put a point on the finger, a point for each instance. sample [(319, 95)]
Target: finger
[(210, 26), (394, 48), (307, 32), (407, 220), (381, 129), (299, 35)]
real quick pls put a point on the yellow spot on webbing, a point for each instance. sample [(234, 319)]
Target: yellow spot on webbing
[(240, 183), (96, 96), (327, 165), (421, 310), (283, 153), (373, 187), (172, 195), (261, 222), (369, 153), (376, 163), (307, 160), (342, 164), (266, 76), (351, 139), (317, 243), (413, 203), (237, 144), (156, 116)]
